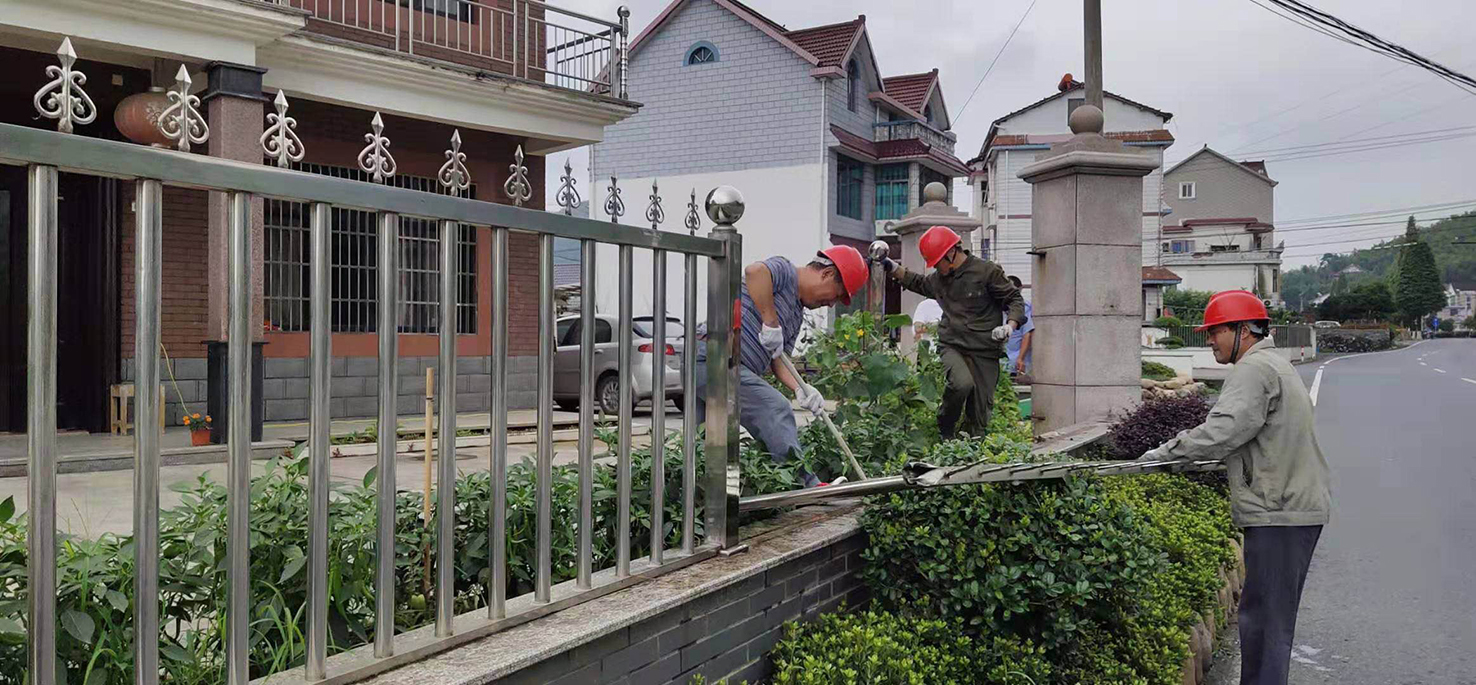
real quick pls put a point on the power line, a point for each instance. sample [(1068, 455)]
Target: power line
[(997, 55)]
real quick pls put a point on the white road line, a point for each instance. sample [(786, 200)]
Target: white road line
[(1423, 364), (1316, 385), (1439, 370), (1472, 382)]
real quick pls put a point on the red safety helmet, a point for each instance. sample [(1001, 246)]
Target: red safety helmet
[(1230, 306), (935, 243), (852, 268)]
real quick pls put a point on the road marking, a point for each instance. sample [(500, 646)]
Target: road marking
[(1423, 364), (1316, 385), (1439, 370), (1469, 381)]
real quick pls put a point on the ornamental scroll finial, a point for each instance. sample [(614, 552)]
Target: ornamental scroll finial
[(517, 186), (279, 142), (181, 121), (614, 206), (693, 222), (375, 159), (568, 197), (654, 213), (454, 175), (62, 98)]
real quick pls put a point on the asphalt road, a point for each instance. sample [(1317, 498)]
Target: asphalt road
[(1391, 595)]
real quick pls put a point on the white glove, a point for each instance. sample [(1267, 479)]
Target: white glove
[(1003, 332), (772, 338), (811, 399)]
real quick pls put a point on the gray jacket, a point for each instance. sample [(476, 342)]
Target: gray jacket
[(1262, 427)]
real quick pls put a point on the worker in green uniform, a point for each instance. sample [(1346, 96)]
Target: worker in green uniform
[(981, 308)]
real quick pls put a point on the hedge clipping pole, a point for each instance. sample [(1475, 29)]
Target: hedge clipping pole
[(784, 358)]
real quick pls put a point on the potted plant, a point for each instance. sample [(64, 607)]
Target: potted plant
[(199, 428)]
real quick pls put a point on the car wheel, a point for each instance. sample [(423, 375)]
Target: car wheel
[(607, 393), (676, 399)]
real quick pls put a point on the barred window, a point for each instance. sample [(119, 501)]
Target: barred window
[(354, 249)]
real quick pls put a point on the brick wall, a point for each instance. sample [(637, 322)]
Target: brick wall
[(727, 633), (184, 284)]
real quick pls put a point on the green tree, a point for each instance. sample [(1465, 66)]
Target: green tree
[(1187, 304), (1418, 292), (1371, 300), (1447, 325), (1470, 323)]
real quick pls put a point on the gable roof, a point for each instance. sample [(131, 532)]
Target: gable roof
[(912, 90), (1070, 86), (770, 27), (832, 44), (1157, 275), (1259, 171)]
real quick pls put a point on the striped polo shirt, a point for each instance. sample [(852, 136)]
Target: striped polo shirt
[(786, 304)]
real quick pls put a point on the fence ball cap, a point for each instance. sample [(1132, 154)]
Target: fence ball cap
[(724, 205)]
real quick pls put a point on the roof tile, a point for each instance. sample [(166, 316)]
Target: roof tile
[(910, 90), (827, 43)]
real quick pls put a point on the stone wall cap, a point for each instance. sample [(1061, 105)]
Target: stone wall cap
[(1089, 161)]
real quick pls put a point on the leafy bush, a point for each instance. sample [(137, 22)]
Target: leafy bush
[(1158, 372), (1345, 343), (96, 576), (881, 647), (1154, 422), (1170, 342), (1168, 322), (1187, 304)]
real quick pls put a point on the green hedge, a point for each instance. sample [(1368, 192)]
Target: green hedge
[(882, 647), (1158, 372)]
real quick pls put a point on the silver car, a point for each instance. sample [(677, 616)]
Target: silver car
[(606, 362)]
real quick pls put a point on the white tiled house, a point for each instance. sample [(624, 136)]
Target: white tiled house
[(1222, 235), (824, 148)]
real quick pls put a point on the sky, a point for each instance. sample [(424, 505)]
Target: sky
[(1235, 76)]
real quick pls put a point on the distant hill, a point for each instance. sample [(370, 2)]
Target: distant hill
[(1457, 263)]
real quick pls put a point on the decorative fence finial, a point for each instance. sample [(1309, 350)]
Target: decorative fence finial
[(693, 221), (62, 98), (279, 141), (454, 175), (614, 206), (568, 195), (654, 213), (517, 187), (375, 158), (181, 121)]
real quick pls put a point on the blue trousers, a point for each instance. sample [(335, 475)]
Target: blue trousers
[(1276, 561), (764, 412)]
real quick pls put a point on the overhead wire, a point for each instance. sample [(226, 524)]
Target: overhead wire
[(997, 55)]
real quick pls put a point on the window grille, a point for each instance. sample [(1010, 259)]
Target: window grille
[(355, 265)]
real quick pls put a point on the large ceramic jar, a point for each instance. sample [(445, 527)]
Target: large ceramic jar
[(137, 117)]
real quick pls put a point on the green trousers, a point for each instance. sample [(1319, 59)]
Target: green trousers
[(972, 377)]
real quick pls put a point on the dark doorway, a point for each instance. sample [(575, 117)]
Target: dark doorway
[(87, 299)]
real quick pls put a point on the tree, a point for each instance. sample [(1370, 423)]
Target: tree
[(1187, 304), (1418, 292), (1371, 300), (1470, 322), (1447, 325)]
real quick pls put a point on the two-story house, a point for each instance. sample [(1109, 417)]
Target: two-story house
[(1222, 235), (504, 73), (1003, 202), (825, 148)]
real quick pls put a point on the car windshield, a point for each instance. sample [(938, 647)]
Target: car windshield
[(645, 327)]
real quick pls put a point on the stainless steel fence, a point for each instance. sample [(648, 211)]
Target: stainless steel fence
[(47, 153)]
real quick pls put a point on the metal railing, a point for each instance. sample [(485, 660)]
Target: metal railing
[(46, 153), (526, 38)]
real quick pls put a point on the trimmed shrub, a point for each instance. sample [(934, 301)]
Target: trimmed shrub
[(1154, 422), (1170, 342), (1158, 372), (881, 647), (1168, 322), (1343, 343)]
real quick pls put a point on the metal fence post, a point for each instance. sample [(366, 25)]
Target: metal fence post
[(238, 468), (41, 426), (724, 331), (497, 602), (446, 448), (149, 201), (543, 496), (319, 430), (388, 330)]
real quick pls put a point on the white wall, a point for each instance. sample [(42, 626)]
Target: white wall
[(781, 217), (1216, 277), (1051, 117)]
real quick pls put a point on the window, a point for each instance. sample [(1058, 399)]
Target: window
[(891, 191), (928, 115), (575, 332), (1224, 248), (701, 52), (853, 84), (1072, 104), (1186, 190), (983, 248), (849, 182), (354, 270), (457, 9), (1181, 246)]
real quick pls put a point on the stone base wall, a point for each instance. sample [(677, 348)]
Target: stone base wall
[(726, 634), (355, 386)]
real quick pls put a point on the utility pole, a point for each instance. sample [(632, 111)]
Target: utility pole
[(1092, 26)]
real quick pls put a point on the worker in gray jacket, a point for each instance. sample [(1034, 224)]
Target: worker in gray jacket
[(1279, 494)]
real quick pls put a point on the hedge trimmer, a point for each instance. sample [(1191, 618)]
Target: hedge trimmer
[(840, 439)]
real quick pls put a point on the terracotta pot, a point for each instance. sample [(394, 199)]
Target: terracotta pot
[(200, 438), (137, 117)]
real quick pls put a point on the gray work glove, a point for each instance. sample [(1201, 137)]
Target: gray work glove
[(1003, 331), (772, 338), (888, 266), (810, 399)]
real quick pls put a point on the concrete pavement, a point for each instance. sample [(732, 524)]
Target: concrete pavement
[(1391, 595)]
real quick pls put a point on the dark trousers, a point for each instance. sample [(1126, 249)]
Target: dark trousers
[(970, 391), (1276, 561)]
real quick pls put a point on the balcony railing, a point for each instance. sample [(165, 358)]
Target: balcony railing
[(910, 129), (521, 38)]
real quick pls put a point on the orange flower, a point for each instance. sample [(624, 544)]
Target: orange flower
[(207, 418), (187, 420)]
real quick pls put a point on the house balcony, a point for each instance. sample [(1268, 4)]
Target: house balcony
[(524, 39), (1230, 257), (913, 129)]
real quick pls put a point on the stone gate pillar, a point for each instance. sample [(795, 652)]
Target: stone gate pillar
[(934, 211), (1087, 235)]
